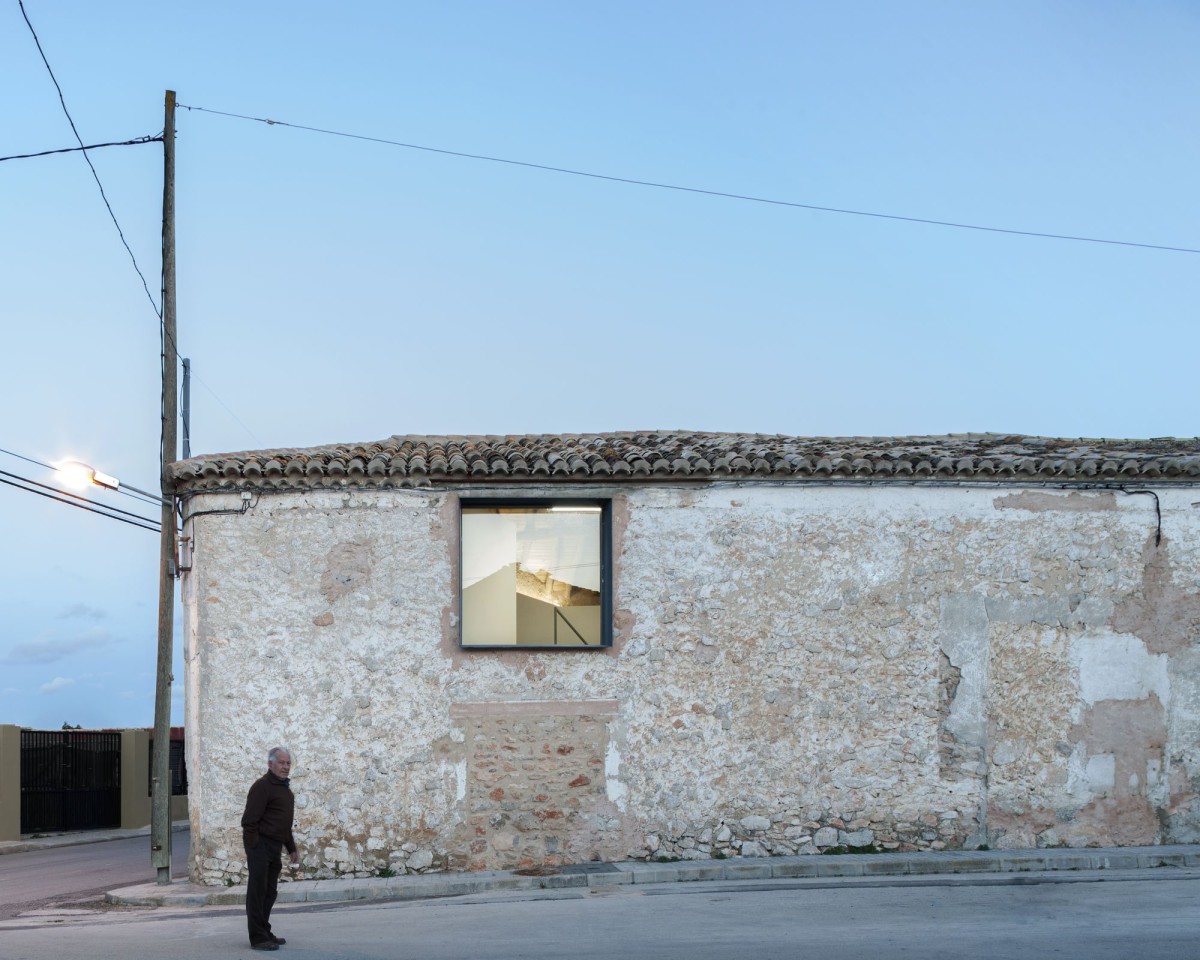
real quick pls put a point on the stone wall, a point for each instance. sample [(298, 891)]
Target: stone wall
[(794, 668)]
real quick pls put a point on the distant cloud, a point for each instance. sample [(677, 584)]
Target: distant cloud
[(8, 690), (49, 648), (58, 683), (81, 611)]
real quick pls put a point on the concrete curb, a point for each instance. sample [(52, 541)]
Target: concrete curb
[(78, 839), (895, 865)]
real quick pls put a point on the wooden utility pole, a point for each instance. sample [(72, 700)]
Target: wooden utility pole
[(160, 804)]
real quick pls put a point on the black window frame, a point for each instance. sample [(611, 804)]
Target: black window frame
[(606, 578)]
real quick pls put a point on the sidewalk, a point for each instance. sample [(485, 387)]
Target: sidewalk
[(81, 837), (882, 865)]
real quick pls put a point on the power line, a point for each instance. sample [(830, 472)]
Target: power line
[(82, 148), (20, 456), (164, 339), (49, 466), (699, 190), (61, 495), (76, 496), (82, 506), (137, 141), (96, 177), (227, 410)]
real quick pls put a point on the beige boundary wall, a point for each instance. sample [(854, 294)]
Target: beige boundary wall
[(794, 668), (10, 782), (135, 798), (135, 789)]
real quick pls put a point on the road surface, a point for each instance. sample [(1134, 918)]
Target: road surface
[(35, 879), (1151, 917)]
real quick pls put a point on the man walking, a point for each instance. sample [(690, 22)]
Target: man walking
[(266, 830)]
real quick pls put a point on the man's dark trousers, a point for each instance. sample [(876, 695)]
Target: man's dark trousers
[(265, 862)]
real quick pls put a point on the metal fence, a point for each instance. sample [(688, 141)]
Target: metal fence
[(178, 764), (70, 780)]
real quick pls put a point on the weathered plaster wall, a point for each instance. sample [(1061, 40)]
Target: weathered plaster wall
[(794, 668)]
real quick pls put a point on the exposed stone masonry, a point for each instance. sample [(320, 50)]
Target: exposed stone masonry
[(793, 670)]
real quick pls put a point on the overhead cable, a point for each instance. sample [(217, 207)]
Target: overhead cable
[(61, 497), (257, 442), (157, 309), (21, 456), (709, 193), (76, 496), (137, 141), (156, 501)]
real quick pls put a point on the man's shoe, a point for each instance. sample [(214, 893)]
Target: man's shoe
[(264, 945), (278, 940)]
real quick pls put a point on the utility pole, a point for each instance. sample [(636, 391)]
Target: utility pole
[(160, 804)]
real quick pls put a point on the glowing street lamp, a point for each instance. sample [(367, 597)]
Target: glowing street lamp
[(81, 475)]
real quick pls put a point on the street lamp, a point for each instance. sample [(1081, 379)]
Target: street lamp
[(80, 475)]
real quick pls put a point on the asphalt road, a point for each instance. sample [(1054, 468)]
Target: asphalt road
[(29, 881), (1152, 917)]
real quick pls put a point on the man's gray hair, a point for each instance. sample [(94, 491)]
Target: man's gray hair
[(275, 751)]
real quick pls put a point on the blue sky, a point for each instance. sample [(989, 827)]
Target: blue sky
[(333, 289)]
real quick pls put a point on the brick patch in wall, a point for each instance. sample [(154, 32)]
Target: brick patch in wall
[(535, 787)]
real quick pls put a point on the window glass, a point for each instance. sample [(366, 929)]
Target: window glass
[(533, 575)]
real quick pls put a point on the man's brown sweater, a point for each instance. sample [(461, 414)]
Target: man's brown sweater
[(270, 808)]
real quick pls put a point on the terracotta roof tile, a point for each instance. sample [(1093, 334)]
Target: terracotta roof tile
[(681, 456)]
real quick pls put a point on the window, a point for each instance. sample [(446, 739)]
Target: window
[(536, 574)]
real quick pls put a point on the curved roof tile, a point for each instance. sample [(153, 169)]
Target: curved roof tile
[(650, 456)]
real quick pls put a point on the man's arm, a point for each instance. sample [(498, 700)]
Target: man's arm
[(290, 842), (256, 806)]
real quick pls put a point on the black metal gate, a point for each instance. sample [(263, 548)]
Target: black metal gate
[(177, 762), (70, 780)]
